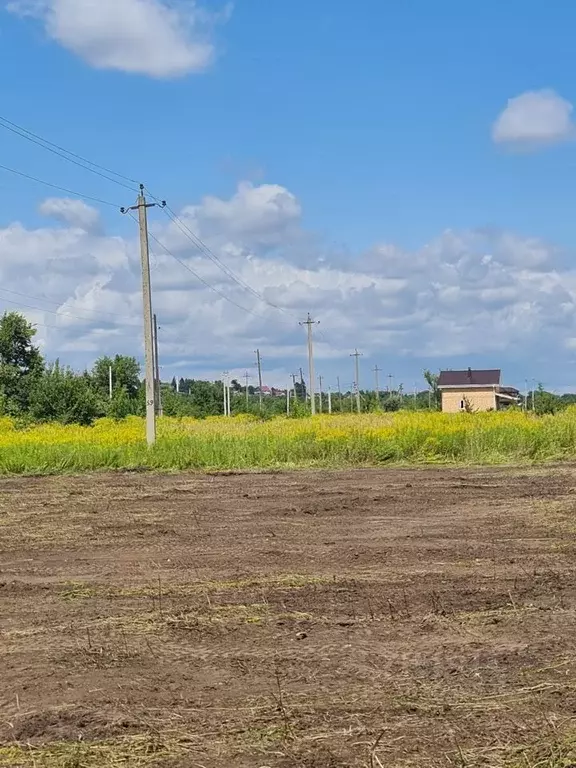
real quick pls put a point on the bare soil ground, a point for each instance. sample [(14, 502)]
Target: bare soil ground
[(315, 619)]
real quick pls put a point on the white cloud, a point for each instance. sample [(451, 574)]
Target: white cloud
[(535, 118), (74, 212), (466, 293), (151, 37)]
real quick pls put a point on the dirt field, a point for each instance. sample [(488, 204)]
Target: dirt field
[(365, 618)]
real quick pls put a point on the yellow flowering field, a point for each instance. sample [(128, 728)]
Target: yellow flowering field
[(245, 442)]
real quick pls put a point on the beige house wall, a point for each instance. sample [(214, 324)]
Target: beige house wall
[(480, 399)]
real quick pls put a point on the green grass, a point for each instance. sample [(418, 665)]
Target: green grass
[(323, 441)]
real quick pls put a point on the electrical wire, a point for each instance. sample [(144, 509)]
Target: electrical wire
[(71, 157), (56, 186), (59, 303), (58, 314), (200, 245), (193, 272)]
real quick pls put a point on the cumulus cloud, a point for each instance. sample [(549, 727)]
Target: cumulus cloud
[(151, 37), (535, 118), (465, 293), (73, 212)]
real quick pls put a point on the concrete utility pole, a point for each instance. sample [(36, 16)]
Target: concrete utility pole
[(309, 322), (356, 355), (377, 383), (177, 385), (293, 375), (247, 379), (157, 370), (142, 206), (225, 388), (110, 382), (259, 361), (320, 380)]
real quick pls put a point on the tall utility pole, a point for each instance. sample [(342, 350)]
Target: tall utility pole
[(377, 383), (247, 379), (157, 369), (259, 361), (320, 380), (309, 322), (329, 400), (356, 355), (142, 206), (110, 382)]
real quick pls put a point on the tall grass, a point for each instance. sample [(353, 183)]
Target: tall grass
[(323, 441)]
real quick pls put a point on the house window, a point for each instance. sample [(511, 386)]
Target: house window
[(462, 405)]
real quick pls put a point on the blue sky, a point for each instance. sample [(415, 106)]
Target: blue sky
[(406, 173)]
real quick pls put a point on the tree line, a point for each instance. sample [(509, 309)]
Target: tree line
[(31, 389)]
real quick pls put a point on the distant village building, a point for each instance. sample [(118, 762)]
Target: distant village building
[(475, 391)]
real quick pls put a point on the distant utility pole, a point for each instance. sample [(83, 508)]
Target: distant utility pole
[(294, 385), (142, 206), (177, 385), (226, 398), (288, 400), (377, 383), (259, 361), (247, 379), (320, 380), (329, 400), (356, 355), (339, 393), (157, 370), (110, 382), (390, 383), (309, 323)]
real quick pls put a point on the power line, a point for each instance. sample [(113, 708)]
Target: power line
[(56, 186), (59, 314), (66, 154), (209, 253), (59, 303), (197, 276)]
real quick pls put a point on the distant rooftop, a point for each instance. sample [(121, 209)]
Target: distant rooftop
[(470, 378)]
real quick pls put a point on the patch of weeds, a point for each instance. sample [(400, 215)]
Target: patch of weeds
[(78, 590), (268, 736), (75, 590), (138, 750)]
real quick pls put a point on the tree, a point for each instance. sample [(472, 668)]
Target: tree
[(125, 374), (59, 394), (545, 402), (432, 381), (21, 363)]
